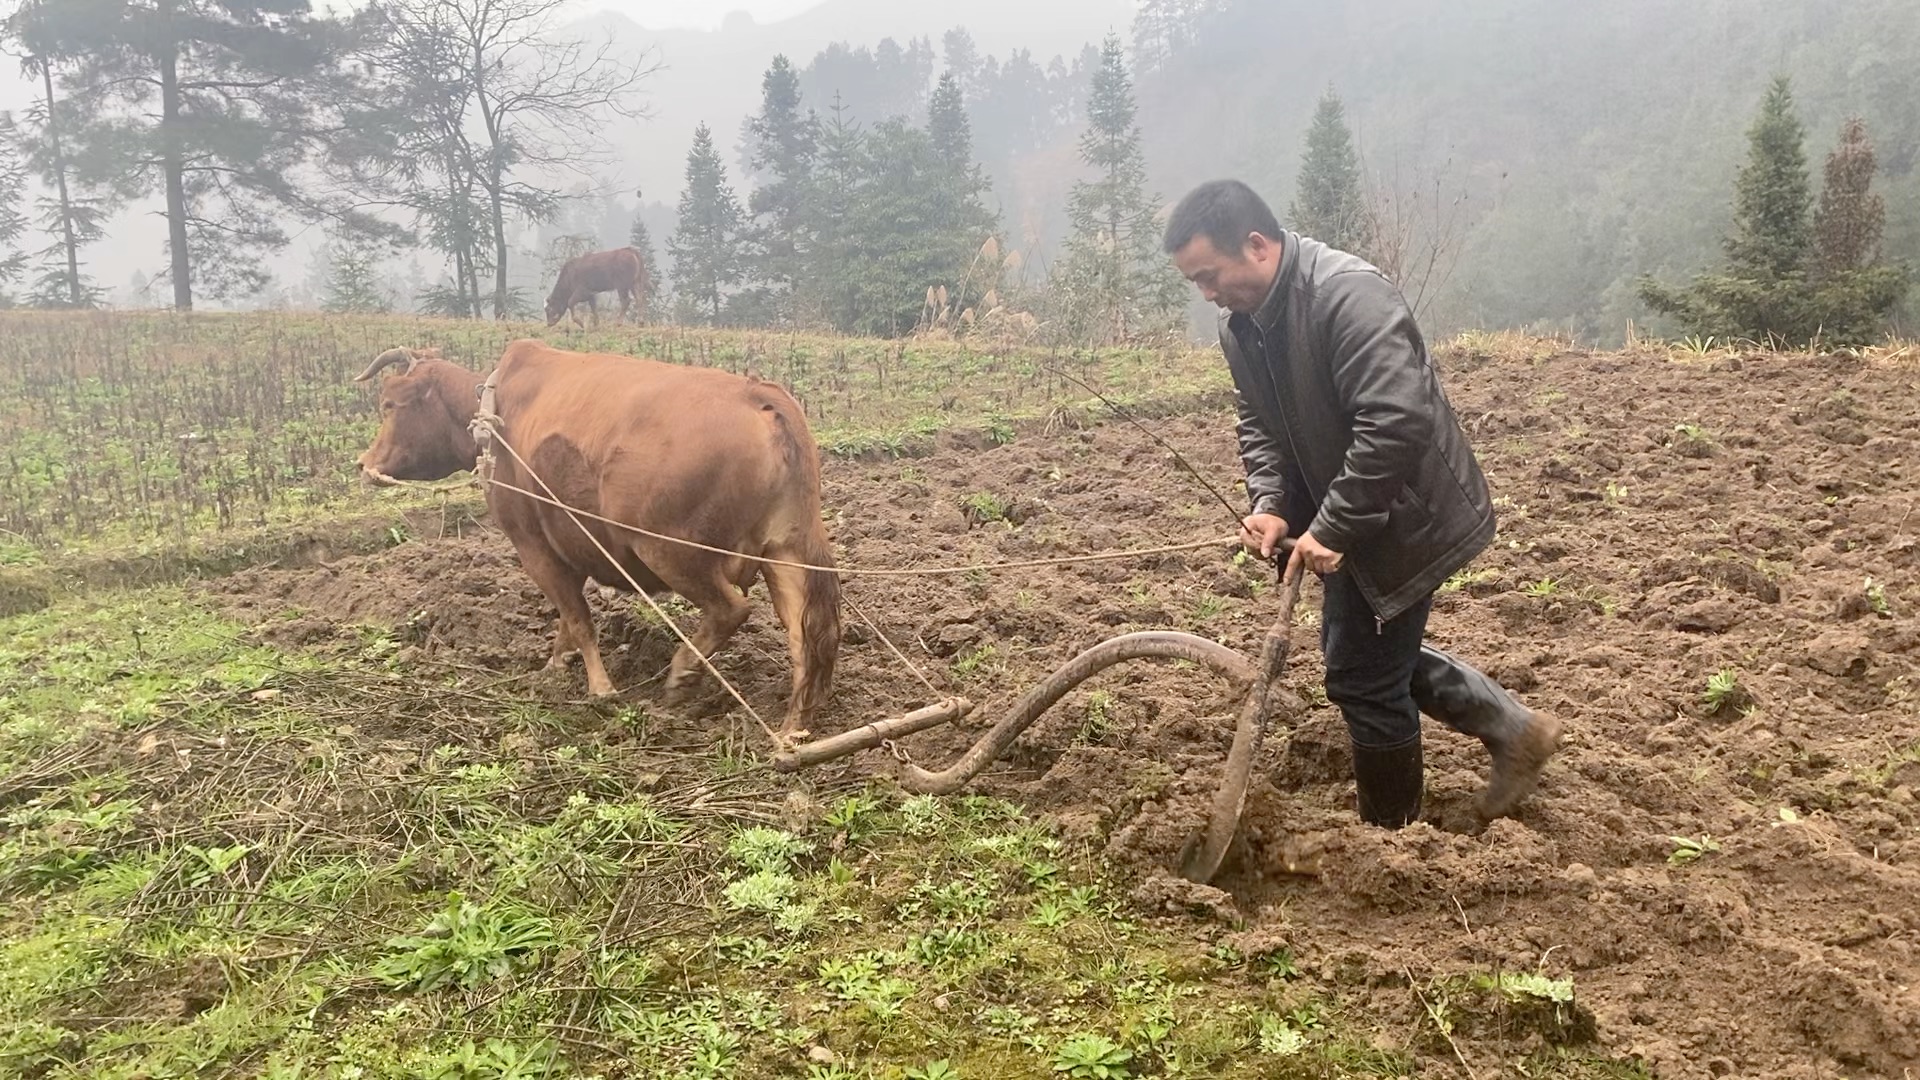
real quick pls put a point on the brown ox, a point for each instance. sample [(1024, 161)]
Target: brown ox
[(721, 459), (584, 276)]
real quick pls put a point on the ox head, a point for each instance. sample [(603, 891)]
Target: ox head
[(561, 300), (424, 411)]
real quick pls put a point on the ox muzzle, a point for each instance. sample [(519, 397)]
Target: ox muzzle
[(371, 475)]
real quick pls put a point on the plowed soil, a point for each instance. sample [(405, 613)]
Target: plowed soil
[(1660, 522)]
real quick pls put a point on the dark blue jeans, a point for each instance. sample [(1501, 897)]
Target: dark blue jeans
[(1382, 678), (1370, 665)]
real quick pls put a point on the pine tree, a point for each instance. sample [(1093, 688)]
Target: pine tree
[(211, 105), (963, 60), (1849, 222), (1163, 29), (1855, 292), (1778, 285), (13, 206), (947, 124), (71, 219), (781, 141), (1116, 286), (1328, 204), (353, 278), (900, 235), (1762, 294), (705, 245), (962, 222), (829, 292), (642, 241), (1771, 232)]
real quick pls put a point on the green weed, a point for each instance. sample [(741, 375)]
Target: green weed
[(1466, 579), (1687, 849), (1723, 690), (1091, 1056), (1877, 599), (977, 660), (984, 507), (466, 944), (1096, 718), (1691, 440), (1545, 589)]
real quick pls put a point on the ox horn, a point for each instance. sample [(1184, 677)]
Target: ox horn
[(385, 360)]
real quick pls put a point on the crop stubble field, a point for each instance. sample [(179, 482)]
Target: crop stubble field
[(305, 807)]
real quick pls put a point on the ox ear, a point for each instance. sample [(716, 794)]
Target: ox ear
[(388, 359)]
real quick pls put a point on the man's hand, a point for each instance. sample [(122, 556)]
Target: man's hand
[(1262, 533), (1313, 555)]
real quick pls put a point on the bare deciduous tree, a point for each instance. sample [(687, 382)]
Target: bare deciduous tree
[(1414, 232), (472, 110)]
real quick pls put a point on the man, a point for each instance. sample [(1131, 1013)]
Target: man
[(1350, 447)]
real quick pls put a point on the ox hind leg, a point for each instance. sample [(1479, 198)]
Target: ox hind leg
[(722, 612), (563, 588), (563, 646)]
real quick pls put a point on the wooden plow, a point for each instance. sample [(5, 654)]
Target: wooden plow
[(1257, 681)]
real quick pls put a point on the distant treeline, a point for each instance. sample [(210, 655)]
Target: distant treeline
[(1509, 162)]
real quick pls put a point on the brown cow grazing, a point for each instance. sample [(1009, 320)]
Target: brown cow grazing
[(584, 276), (725, 460)]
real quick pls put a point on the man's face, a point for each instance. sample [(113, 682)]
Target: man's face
[(1238, 282)]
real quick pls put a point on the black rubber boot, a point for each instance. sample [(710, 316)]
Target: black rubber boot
[(1390, 783), (1454, 693), (1467, 701)]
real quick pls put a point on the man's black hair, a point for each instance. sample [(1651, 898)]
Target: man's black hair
[(1223, 211)]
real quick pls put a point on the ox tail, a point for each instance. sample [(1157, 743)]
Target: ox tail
[(808, 600), (820, 625)]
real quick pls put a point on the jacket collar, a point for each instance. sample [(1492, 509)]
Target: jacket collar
[(1267, 316)]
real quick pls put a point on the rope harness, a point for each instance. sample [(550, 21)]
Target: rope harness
[(484, 426)]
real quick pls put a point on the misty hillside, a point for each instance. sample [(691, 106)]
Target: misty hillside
[(1593, 142), (1573, 150), (714, 76)]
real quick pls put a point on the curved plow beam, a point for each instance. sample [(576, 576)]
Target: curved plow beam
[(1161, 644)]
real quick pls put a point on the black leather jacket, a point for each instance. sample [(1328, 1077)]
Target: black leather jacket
[(1342, 421)]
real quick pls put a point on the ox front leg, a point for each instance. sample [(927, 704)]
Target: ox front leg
[(562, 587)]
